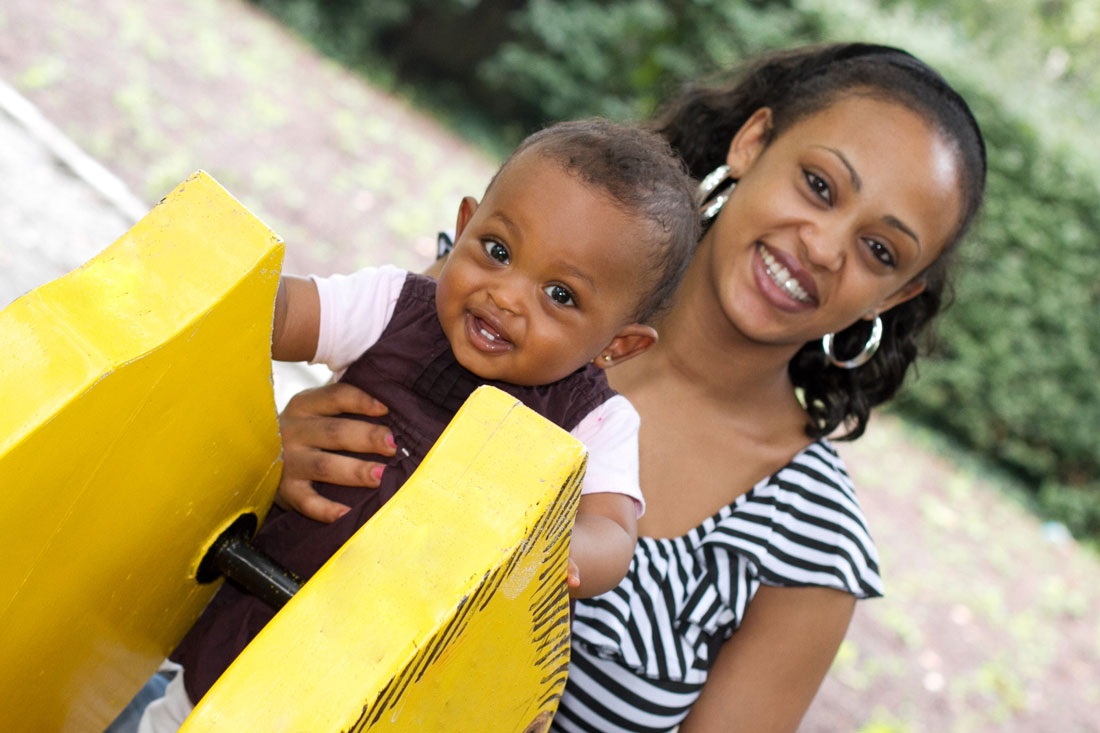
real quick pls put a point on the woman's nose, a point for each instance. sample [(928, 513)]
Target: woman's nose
[(825, 244)]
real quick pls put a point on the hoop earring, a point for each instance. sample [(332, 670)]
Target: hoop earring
[(709, 202), (863, 356)]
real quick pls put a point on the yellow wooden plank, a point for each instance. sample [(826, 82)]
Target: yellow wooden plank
[(447, 611), (137, 421)]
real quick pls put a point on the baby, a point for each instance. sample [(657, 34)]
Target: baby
[(555, 276)]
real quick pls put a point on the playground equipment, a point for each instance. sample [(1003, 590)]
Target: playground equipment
[(138, 424)]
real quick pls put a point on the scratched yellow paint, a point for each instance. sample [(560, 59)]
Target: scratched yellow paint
[(137, 421), (446, 612)]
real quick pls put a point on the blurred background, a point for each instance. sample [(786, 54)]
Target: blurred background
[(353, 128)]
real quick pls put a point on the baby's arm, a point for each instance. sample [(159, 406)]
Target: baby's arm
[(297, 320), (603, 542), (605, 532)]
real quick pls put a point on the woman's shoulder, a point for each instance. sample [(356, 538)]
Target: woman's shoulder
[(804, 526), (801, 526)]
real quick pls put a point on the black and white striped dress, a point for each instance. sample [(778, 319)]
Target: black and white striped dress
[(641, 652)]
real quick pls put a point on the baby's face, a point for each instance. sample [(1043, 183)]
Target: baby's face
[(544, 274)]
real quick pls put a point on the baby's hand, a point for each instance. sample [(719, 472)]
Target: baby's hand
[(573, 574)]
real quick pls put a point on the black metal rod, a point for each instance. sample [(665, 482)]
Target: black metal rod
[(257, 573)]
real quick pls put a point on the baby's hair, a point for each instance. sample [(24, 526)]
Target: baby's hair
[(701, 123), (640, 172)]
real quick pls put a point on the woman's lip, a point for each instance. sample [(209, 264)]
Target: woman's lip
[(776, 294), (486, 335), (787, 275)]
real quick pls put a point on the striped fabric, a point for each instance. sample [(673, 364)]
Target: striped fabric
[(641, 652)]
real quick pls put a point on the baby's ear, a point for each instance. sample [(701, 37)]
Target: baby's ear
[(628, 343), (466, 209)]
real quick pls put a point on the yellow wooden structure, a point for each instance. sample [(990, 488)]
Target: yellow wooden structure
[(137, 421), (447, 611)]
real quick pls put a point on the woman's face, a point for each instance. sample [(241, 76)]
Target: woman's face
[(833, 220)]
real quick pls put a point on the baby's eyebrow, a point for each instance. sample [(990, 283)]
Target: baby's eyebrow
[(511, 226), (580, 275)]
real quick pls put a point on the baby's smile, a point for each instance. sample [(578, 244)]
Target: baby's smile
[(486, 335)]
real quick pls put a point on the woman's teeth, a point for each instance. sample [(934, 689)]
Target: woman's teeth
[(781, 276)]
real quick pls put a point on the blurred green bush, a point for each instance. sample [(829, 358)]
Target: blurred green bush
[(1013, 376)]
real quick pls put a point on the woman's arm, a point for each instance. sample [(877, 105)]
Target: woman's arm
[(767, 674)]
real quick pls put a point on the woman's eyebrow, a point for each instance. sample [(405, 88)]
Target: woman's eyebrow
[(901, 226), (857, 182)]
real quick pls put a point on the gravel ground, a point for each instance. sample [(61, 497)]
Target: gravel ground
[(51, 219)]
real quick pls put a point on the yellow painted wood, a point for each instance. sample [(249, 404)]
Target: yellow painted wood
[(137, 421), (447, 611)]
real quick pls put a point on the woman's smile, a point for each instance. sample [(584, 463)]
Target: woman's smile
[(784, 279)]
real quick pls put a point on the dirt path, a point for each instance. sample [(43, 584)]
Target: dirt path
[(988, 625)]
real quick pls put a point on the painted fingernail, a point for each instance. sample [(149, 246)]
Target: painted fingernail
[(390, 441), (376, 472), (343, 511)]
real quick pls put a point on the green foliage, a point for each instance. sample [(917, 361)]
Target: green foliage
[(1013, 377), (572, 58)]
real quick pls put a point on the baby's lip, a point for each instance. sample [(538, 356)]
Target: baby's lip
[(486, 332)]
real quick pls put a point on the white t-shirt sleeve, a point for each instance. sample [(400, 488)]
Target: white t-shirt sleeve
[(355, 310), (610, 432)]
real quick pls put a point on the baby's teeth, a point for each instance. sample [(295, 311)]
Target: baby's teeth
[(488, 335)]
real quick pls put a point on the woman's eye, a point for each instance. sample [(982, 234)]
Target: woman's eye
[(496, 250), (818, 185), (881, 252), (559, 294)]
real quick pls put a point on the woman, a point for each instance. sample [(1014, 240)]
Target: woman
[(840, 180)]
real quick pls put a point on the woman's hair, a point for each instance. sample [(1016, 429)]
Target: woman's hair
[(700, 124), (641, 173)]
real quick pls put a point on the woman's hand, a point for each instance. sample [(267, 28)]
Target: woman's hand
[(309, 428)]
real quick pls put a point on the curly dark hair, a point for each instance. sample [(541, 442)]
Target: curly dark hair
[(702, 120), (641, 173)]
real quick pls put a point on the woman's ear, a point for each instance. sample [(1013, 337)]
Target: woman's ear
[(466, 209), (628, 343), (749, 141), (908, 291)]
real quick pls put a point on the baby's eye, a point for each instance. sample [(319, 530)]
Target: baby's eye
[(559, 294), (818, 185), (496, 250), (881, 252)]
